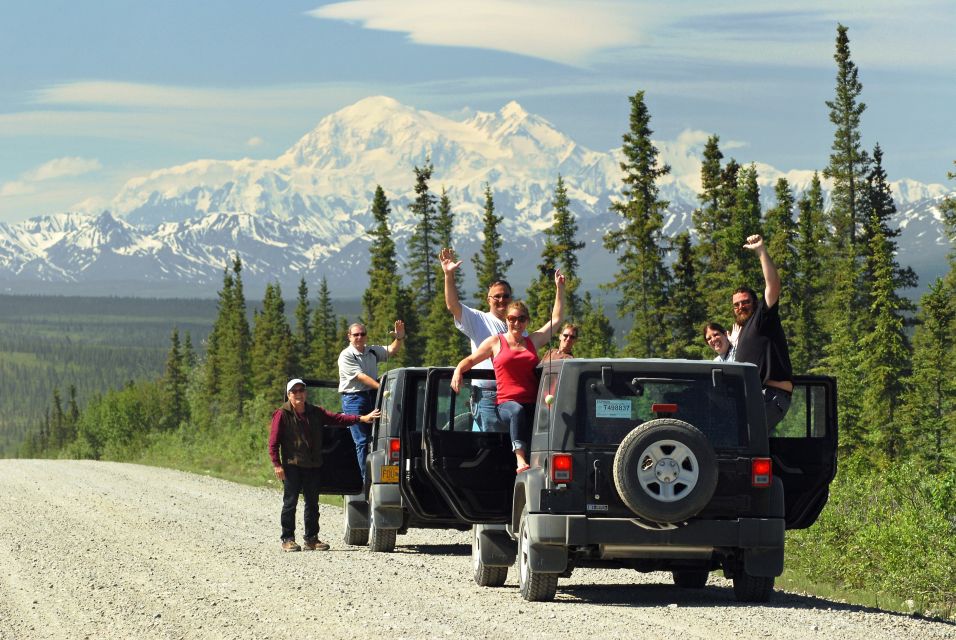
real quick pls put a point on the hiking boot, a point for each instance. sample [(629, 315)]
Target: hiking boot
[(315, 545), (290, 545)]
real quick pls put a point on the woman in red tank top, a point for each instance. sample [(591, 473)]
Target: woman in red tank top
[(515, 356)]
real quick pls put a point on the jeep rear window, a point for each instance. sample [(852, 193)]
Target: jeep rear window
[(612, 412)]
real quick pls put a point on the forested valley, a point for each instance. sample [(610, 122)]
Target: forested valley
[(888, 534)]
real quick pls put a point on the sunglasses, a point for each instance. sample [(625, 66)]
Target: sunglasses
[(569, 336), (501, 296), (358, 335), (297, 390), (514, 319)]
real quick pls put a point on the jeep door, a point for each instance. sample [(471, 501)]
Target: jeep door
[(340, 471), (419, 493), (803, 447), (473, 470)]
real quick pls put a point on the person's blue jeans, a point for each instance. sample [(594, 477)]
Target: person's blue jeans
[(304, 480), (483, 406), (359, 404), (518, 418)]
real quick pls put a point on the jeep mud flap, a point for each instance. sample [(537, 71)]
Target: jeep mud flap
[(356, 511), (498, 548), (387, 512)]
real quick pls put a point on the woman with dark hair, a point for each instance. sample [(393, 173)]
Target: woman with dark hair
[(717, 338), (514, 355)]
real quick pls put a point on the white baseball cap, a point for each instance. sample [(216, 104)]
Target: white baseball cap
[(292, 383)]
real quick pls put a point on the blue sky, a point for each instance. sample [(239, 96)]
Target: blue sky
[(92, 94)]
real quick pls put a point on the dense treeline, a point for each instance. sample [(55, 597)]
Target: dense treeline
[(843, 308)]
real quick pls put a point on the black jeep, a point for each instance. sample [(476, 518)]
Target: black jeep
[(398, 493), (642, 464)]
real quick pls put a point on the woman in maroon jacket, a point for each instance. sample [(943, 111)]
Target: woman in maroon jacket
[(295, 447)]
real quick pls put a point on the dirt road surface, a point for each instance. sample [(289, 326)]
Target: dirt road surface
[(105, 550)]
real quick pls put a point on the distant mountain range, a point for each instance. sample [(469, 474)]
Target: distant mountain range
[(305, 213)]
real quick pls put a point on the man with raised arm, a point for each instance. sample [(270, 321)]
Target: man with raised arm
[(759, 338), (479, 325)]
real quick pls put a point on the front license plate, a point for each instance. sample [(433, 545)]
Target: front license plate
[(389, 473)]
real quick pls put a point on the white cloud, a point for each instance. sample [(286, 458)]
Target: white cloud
[(566, 31), (255, 141), (66, 167)]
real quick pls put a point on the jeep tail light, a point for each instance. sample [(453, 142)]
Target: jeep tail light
[(561, 468), (659, 407), (761, 472), (394, 450)]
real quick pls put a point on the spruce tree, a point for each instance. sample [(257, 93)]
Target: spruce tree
[(228, 364), (595, 333), (444, 344), (273, 358), (380, 303), (780, 232), (326, 344), (707, 219), (302, 337), (173, 385), (488, 263), (559, 252), (642, 279), (745, 221), (422, 246), (848, 160), (807, 282), (885, 351), (928, 414), (685, 315)]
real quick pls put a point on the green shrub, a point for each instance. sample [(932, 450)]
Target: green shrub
[(886, 529)]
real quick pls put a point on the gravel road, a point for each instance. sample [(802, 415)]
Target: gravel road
[(104, 550)]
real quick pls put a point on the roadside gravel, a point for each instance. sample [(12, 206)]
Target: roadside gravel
[(106, 550)]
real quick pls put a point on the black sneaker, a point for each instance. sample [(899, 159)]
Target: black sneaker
[(315, 545)]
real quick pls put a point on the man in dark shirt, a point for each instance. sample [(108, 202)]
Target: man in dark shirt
[(295, 448), (759, 337)]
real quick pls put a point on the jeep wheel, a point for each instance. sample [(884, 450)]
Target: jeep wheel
[(665, 470), (380, 540), (534, 585), (485, 576), (354, 537), (690, 578), (748, 588)]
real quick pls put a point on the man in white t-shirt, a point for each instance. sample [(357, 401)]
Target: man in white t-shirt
[(479, 325)]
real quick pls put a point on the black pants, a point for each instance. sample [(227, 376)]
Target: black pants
[(304, 480)]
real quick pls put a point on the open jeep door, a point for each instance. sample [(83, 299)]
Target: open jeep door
[(474, 470), (804, 449), (419, 493), (340, 471)]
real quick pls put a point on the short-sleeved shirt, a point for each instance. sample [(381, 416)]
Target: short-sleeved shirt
[(761, 341), (352, 362)]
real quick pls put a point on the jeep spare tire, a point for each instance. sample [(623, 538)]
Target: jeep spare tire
[(665, 471)]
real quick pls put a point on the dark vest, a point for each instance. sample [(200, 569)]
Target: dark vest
[(301, 439)]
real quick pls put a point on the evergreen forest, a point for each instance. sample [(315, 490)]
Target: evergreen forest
[(888, 534)]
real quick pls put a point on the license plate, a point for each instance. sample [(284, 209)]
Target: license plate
[(389, 473)]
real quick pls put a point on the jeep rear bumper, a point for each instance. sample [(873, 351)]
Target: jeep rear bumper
[(758, 542)]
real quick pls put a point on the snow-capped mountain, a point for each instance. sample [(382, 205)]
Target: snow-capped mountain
[(305, 213)]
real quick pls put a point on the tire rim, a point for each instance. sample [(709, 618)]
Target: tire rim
[(668, 471)]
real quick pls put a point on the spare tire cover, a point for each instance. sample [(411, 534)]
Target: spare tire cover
[(665, 471)]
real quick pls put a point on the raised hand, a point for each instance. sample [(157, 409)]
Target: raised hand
[(559, 278), (447, 258), (399, 329), (754, 242)]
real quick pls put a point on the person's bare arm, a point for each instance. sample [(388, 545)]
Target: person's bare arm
[(484, 351), (368, 381), (399, 337), (448, 266), (771, 278), (543, 335)]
